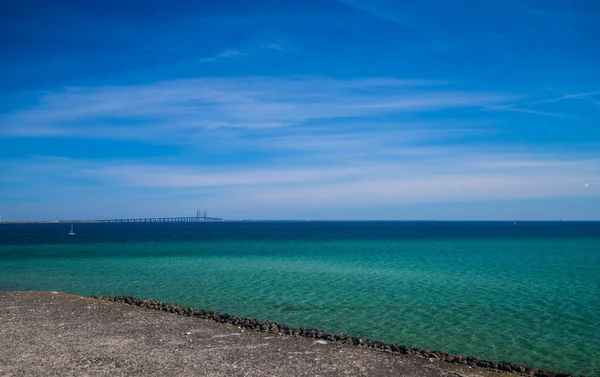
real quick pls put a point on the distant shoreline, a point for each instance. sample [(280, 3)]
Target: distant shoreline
[(215, 219), (123, 220)]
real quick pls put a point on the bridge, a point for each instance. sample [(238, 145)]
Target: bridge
[(155, 220), (200, 217)]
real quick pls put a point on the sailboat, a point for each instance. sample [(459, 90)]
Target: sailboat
[(71, 233)]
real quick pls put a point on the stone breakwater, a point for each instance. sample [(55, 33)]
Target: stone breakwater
[(253, 324)]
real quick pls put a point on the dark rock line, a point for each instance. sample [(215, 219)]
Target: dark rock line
[(341, 338)]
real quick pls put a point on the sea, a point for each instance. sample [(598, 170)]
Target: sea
[(524, 292)]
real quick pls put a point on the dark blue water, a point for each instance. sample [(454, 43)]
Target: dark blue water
[(280, 230)]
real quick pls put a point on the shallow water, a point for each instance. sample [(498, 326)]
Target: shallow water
[(527, 292)]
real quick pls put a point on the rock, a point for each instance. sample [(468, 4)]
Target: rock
[(257, 325), (548, 373)]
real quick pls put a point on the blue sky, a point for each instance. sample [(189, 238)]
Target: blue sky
[(348, 109)]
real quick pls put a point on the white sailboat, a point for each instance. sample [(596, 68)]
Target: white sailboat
[(71, 233)]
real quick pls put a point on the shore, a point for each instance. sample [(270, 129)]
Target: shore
[(46, 333)]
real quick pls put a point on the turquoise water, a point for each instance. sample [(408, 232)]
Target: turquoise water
[(527, 293)]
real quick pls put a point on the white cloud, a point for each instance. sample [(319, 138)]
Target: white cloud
[(224, 55), (273, 46), (567, 96), (282, 189), (528, 111), (179, 108), (518, 107), (464, 173)]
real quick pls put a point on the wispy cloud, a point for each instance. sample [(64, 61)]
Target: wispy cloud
[(273, 46), (527, 111), (369, 7), (583, 97), (372, 141), (283, 43), (277, 43), (465, 175), (556, 99), (182, 107), (518, 107), (227, 54)]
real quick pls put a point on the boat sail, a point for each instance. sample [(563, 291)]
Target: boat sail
[(71, 233)]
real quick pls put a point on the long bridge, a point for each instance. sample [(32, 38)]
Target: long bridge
[(156, 220), (200, 217)]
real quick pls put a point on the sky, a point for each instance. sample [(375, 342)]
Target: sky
[(312, 109)]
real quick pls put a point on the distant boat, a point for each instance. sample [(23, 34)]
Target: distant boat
[(71, 233)]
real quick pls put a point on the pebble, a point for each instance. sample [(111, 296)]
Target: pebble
[(257, 325)]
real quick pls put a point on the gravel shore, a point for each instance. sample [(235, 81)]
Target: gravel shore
[(56, 334)]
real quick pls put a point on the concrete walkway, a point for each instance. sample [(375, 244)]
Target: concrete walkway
[(54, 334)]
